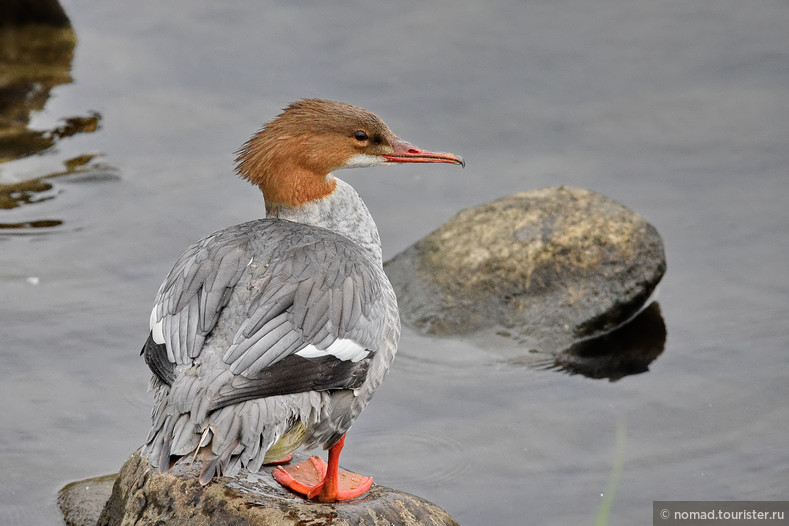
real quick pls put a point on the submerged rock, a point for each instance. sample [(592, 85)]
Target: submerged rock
[(550, 267), (143, 496)]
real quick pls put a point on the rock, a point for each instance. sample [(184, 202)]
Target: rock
[(549, 267), (81, 502), (142, 496)]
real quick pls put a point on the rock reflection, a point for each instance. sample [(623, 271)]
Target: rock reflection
[(36, 51), (628, 350), (81, 168)]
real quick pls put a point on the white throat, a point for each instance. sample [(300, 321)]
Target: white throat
[(363, 160)]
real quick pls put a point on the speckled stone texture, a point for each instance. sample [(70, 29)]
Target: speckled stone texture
[(550, 266), (143, 497)]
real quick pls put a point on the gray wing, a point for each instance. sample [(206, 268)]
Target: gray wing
[(318, 290), (191, 298), (279, 290)]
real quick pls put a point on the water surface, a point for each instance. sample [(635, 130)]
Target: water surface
[(679, 110)]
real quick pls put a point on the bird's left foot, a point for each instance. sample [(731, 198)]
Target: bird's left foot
[(309, 478)]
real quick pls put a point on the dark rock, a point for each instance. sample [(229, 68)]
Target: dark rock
[(550, 267), (142, 496)]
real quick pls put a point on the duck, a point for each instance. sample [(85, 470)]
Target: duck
[(274, 334)]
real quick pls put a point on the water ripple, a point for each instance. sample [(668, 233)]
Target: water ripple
[(412, 457)]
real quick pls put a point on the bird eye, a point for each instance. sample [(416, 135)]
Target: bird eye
[(360, 135)]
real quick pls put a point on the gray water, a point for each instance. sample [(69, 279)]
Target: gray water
[(678, 109)]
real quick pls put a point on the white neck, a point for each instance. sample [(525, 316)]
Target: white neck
[(342, 211)]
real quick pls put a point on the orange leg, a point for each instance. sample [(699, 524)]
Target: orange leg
[(325, 483)]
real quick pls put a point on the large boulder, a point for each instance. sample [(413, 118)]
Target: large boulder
[(142, 496), (549, 267)]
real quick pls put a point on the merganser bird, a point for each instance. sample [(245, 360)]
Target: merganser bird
[(274, 334)]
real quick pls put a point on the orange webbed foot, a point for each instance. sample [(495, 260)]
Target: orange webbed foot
[(317, 480)]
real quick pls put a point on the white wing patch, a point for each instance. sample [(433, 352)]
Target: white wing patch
[(158, 333), (152, 320), (156, 328), (342, 349)]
